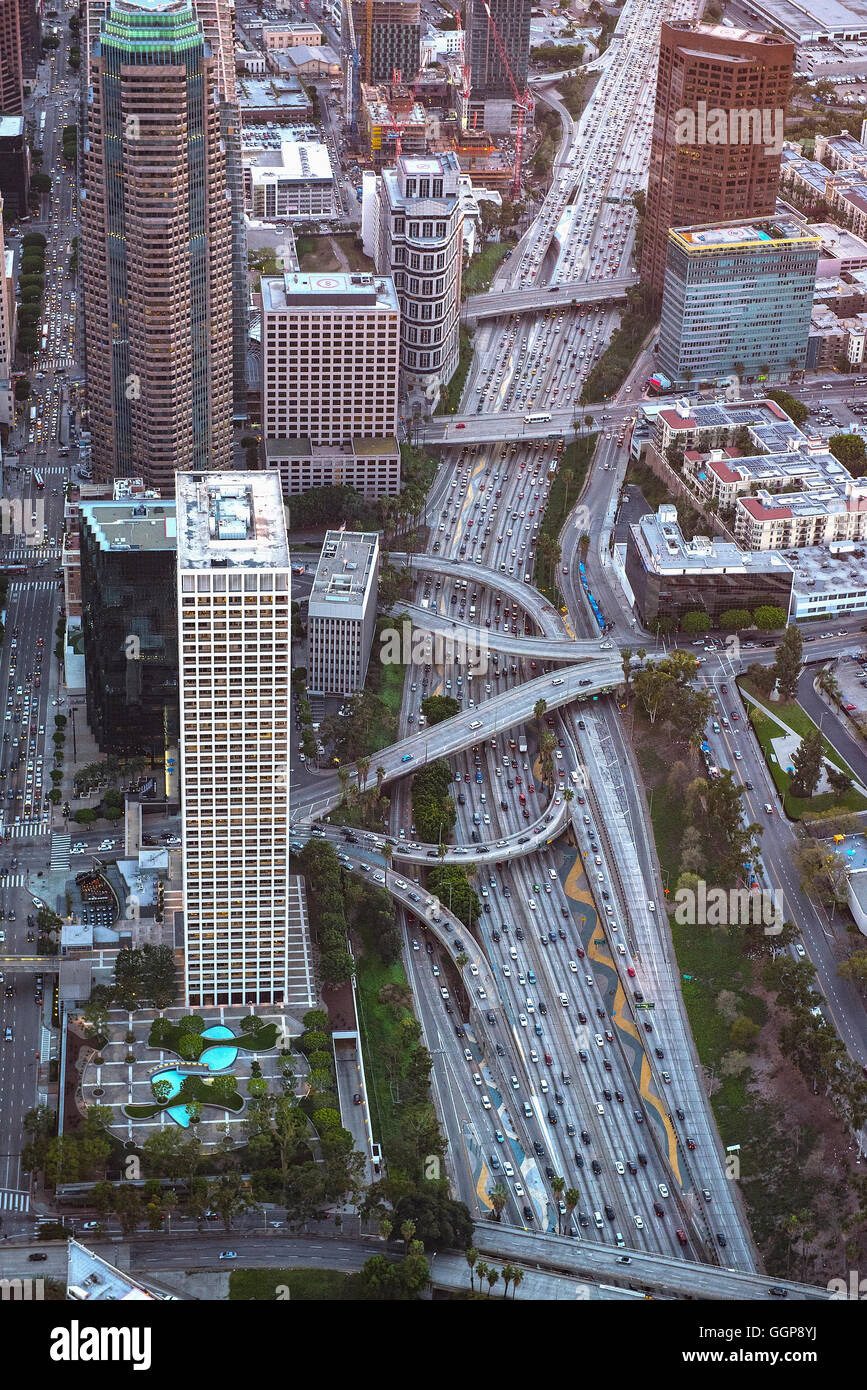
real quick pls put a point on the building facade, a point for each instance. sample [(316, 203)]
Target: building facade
[(670, 576), (737, 300), (128, 563), (330, 354), (14, 165), (297, 181), (370, 467), (721, 94), (156, 247), (234, 628), (420, 244), (341, 614), (11, 74)]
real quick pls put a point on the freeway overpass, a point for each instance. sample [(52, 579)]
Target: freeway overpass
[(480, 639), (664, 1273), (566, 294), (525, 841), (543, 613), (470, 726), (498, 427)]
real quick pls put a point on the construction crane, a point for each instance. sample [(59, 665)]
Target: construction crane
[(400, 126), (523, 103)]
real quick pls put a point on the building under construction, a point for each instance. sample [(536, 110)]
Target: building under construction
[(392, 31), (492, 93), (391, 120)]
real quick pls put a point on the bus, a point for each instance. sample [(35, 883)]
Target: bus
[(33, 415), (13, 569), (540, 418), (39, 480)]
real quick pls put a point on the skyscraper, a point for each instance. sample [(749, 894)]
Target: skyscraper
[(420, 246), (11, 77), (490, 87), (721, 94), (234, 627), (395, 39), (156, 247), (129, 619)]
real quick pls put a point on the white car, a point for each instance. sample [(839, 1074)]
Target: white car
[(508, 1169), (477, 1080), (531, 903), (600, 1041), (522, 1019), (618, 1168), (474, 970), (638, 1221), (663, 1190), (573, 966)]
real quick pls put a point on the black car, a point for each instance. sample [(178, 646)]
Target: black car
[(549, 1171), (537, 1147), (596, 1166), (642, 1159), (552, 1117), (721, 1238), (618, 1095), (570, 1130), (583, 1219), (609, 1212), (585, 1136), (519, 933), (501, 1051), (606, 1093), (679, 1113), (659, 1052), (528, 1215)]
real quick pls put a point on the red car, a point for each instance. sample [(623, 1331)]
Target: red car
[(460, 426)]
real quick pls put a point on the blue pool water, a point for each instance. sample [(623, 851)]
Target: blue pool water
[(217, 1058), (180, 1116)]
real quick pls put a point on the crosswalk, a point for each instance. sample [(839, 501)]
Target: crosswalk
[(20, 586), (28, 831), (60, 851), (52, 363), (14, 881), (14, 1201), (22, 551)]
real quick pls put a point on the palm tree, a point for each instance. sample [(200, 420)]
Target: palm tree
[(571, 1197), (471, 1256), (442, 848), (626, 657), (568, 795), (547, 744), (481, 1271), (343, 779), (539, 711), (641, 654), (517, 1278), (407, 1230), (557, 1185), (507, 1279), (385, 1228), (588, 420), (387, 851), (492, 1277), (499, 1197), (380, 776), (363, 765)]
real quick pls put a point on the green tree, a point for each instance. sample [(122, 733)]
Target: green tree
[(736, 619), (787, 666), (695, 622), (807, 765), (851, 451), (436, 708), (769, 619)]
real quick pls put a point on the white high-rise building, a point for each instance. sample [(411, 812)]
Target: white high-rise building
[(421, 218), (341, 613), (234, 628)]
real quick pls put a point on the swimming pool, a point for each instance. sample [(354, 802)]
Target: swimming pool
[(174, 1078)]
